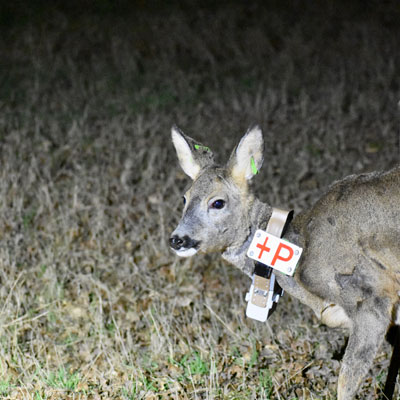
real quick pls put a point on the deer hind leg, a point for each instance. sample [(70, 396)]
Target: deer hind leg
[(370, 324)]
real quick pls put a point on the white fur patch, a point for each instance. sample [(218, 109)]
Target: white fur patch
[(186, 252)]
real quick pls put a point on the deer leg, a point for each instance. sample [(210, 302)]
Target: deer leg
[(394, 362), (370, 324), (330, 314), (295, 289)]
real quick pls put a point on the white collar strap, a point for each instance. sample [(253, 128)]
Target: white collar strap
[(278, 221)]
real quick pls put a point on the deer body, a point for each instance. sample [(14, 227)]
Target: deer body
[(349, 272)]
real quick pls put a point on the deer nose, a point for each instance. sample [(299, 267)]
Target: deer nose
[(176, 242)]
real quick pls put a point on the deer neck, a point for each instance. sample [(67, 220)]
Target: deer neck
[(258, 216)]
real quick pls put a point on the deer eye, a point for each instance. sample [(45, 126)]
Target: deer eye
[(184, 200), (218, 204)]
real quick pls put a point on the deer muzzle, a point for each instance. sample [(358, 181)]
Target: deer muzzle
[(184, 246)]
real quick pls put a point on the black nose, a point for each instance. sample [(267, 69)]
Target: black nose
[(176, 242)]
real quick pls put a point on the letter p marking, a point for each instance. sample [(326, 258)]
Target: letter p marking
[(277, 255)]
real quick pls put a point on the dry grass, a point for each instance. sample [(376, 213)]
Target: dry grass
[(93, 305)]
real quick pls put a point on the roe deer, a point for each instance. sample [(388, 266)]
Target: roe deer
[(349, 272)]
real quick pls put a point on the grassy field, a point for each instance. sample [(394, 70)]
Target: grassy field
[(93, 304)]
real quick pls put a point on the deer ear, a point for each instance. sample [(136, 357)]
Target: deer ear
[(192, 155), (247, 157)]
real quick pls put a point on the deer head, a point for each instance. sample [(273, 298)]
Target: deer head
[(217, 206)]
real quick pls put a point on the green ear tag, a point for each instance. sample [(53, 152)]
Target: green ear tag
[(254, 169), (204, 148)]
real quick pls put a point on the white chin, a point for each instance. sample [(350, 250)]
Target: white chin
[(186, 252)]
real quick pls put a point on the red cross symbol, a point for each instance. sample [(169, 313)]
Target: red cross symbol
[(263, 247)]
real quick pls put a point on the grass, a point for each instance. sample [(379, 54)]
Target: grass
[(63, 380), (93, 304)]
